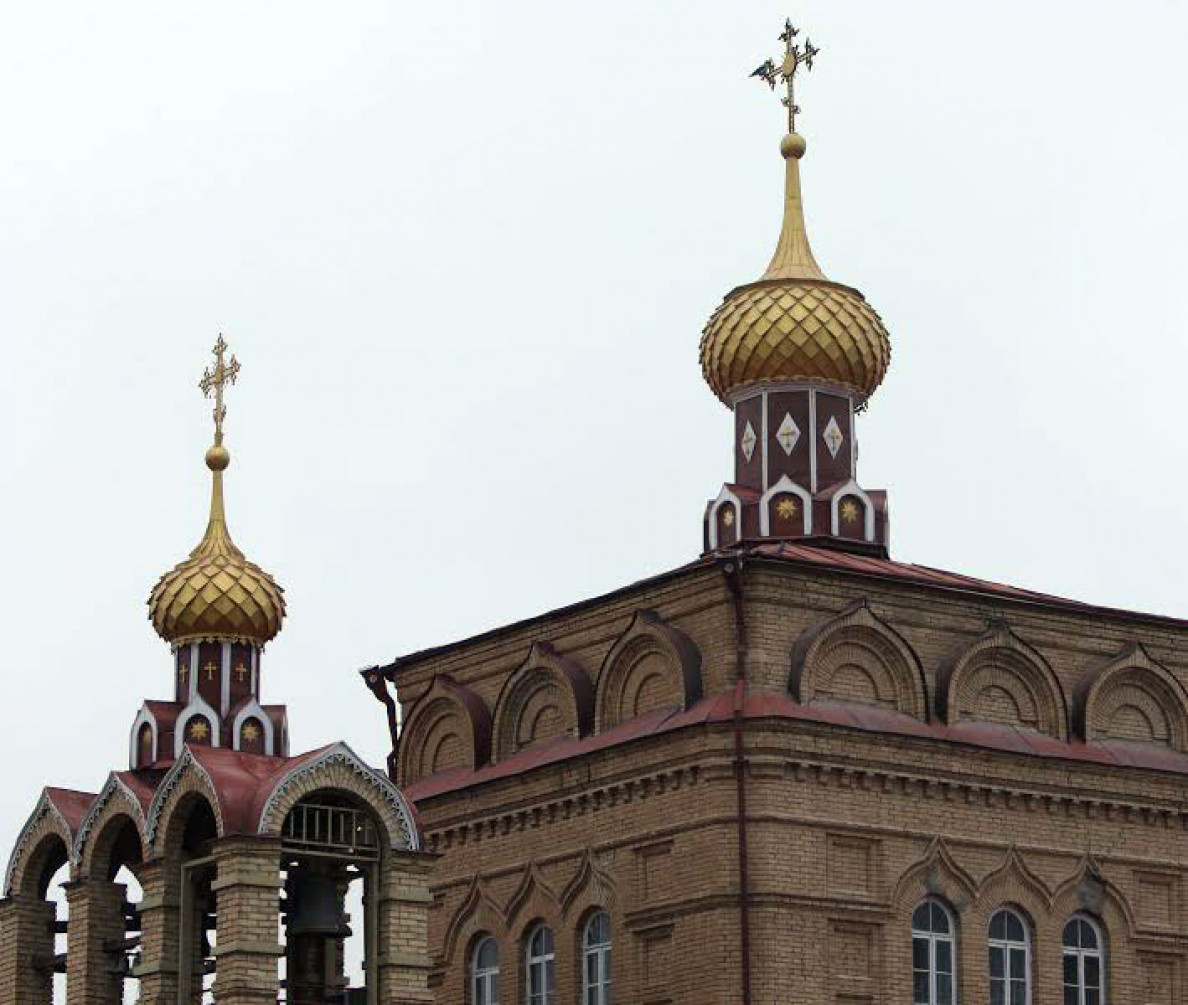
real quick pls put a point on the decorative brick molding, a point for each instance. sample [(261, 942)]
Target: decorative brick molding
[(448, 727), (1131, 698), (650, 666), (186, 778), (1014, 884), (938, 875), (534, 897), (549, 696), (34, 843), (478, 914), (115, 800), (1000, 678), (339, 768), (856, 656), (1087, 891)]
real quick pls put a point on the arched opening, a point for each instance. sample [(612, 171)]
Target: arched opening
[(331, 845), (115, 860), (41, 935), (192, 830)]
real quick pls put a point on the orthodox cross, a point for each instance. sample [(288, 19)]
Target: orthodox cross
[(210, 669), (183, 672), (215, 379), (785, 71)]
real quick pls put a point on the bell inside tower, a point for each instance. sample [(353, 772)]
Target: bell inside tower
[(328, 844)]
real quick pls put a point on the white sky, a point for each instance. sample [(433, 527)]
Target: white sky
[(464, 253)]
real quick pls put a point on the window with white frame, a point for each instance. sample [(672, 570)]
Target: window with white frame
[(541, 966), (1010, 959), (932, 954), (484, 970), (596, 957), (1084, 963)]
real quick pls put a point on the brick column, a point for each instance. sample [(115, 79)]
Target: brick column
[(159, 932), (247, 887), (26, 940), (402, 912), (95, 919)]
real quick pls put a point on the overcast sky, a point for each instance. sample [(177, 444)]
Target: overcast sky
[(464, 253)]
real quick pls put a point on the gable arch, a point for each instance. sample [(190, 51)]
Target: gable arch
[(448, 727), (1012, 884), (184, 785), (935, 875), (104, 826), (41, 848), (856, 656), (478, 914), (1000, 678), (1131, 697), (548, 697), (339, 769), (651, 666), (1086, 891)]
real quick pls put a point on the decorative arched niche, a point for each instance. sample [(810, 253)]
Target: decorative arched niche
[(449, 727), (855, 656), (1131, 698), (652, 666), (550, 696), (1000, 678)]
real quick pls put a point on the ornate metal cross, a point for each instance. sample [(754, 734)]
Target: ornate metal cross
[(785, 71), (216, 378)]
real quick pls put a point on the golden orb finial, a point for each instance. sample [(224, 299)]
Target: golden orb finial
[(217, 593), (793, 324)]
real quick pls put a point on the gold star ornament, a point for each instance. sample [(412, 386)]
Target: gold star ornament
[(849, 511), (728, 518), (786, 508), (251, 732), (199, 730)]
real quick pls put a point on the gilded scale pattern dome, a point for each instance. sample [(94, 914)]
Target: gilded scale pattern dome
[(793, 324), (217, 593)]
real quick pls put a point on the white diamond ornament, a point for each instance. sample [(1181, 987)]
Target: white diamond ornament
[(748, 441), (788, 435), (833, 436)]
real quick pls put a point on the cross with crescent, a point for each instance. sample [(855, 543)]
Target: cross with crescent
[(785, 71), (215, 379)]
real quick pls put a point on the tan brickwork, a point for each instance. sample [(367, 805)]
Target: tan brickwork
[(26, 944), (96, 921), (847, 830), (247, 889)]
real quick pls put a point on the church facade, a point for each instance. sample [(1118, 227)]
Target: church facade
[(794, 770)]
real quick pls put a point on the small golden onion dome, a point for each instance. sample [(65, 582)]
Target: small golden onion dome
[(793, 324), (217, 593)]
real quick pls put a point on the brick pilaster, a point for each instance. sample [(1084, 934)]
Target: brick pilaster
[(159, 932), (95, 919), (247, 888), (403, 937), (26, 940)]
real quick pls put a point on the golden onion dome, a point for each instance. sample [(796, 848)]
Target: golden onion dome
[(217, 593), (793, 324)]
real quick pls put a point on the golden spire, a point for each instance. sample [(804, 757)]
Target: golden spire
[(793, 258), (217, 539), (217, 593)]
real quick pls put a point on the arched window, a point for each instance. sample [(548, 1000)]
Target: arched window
[(596, 955), (932, 955), (1084, 963), (541, 965), (1010, 960), (484, 970)]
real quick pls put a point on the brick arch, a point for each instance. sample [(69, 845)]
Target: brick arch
[(1012, 884), (478, 914), (548, 697), (44, 841), (103, 827), (856, 656), (937, 875), (184, 784), (651, 666), (339, 769), (1131, 697), (448, 727), (1086, 891), (1000, 678)]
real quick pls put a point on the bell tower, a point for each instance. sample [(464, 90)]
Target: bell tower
[(795, 356)]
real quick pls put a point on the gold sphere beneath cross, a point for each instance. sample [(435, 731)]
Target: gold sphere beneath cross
[(218, 457)]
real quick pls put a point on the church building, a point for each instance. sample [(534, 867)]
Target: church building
[(793, 770)]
